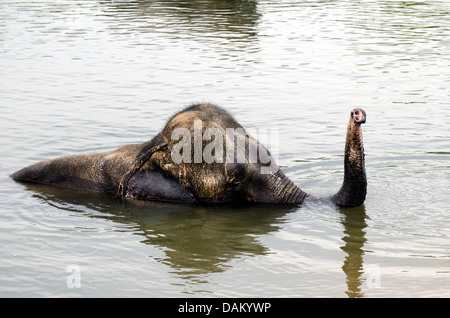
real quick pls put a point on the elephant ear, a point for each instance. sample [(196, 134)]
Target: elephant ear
[(232, 176), (205, 181), (141, 159), (155, 185)]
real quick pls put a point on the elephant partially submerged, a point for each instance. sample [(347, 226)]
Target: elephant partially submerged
[(202, 155)]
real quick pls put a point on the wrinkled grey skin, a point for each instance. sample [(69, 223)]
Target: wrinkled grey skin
[(148, 172)]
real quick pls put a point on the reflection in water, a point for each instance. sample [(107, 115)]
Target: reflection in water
[(229, 20), (198, 240), (354, 221), (195, 239)]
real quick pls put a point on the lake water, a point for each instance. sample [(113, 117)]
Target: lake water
[(91, 76)]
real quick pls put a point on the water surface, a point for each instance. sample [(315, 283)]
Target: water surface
[(91, 76)]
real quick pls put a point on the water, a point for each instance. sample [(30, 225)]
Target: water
[(91, 76)]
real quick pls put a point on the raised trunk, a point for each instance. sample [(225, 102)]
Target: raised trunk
[(281, 189), (354, 189)]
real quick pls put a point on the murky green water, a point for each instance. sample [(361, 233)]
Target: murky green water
[(91, 76)]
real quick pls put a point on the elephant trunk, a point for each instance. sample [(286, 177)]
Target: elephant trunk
[(354, 189), (282, 190)]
